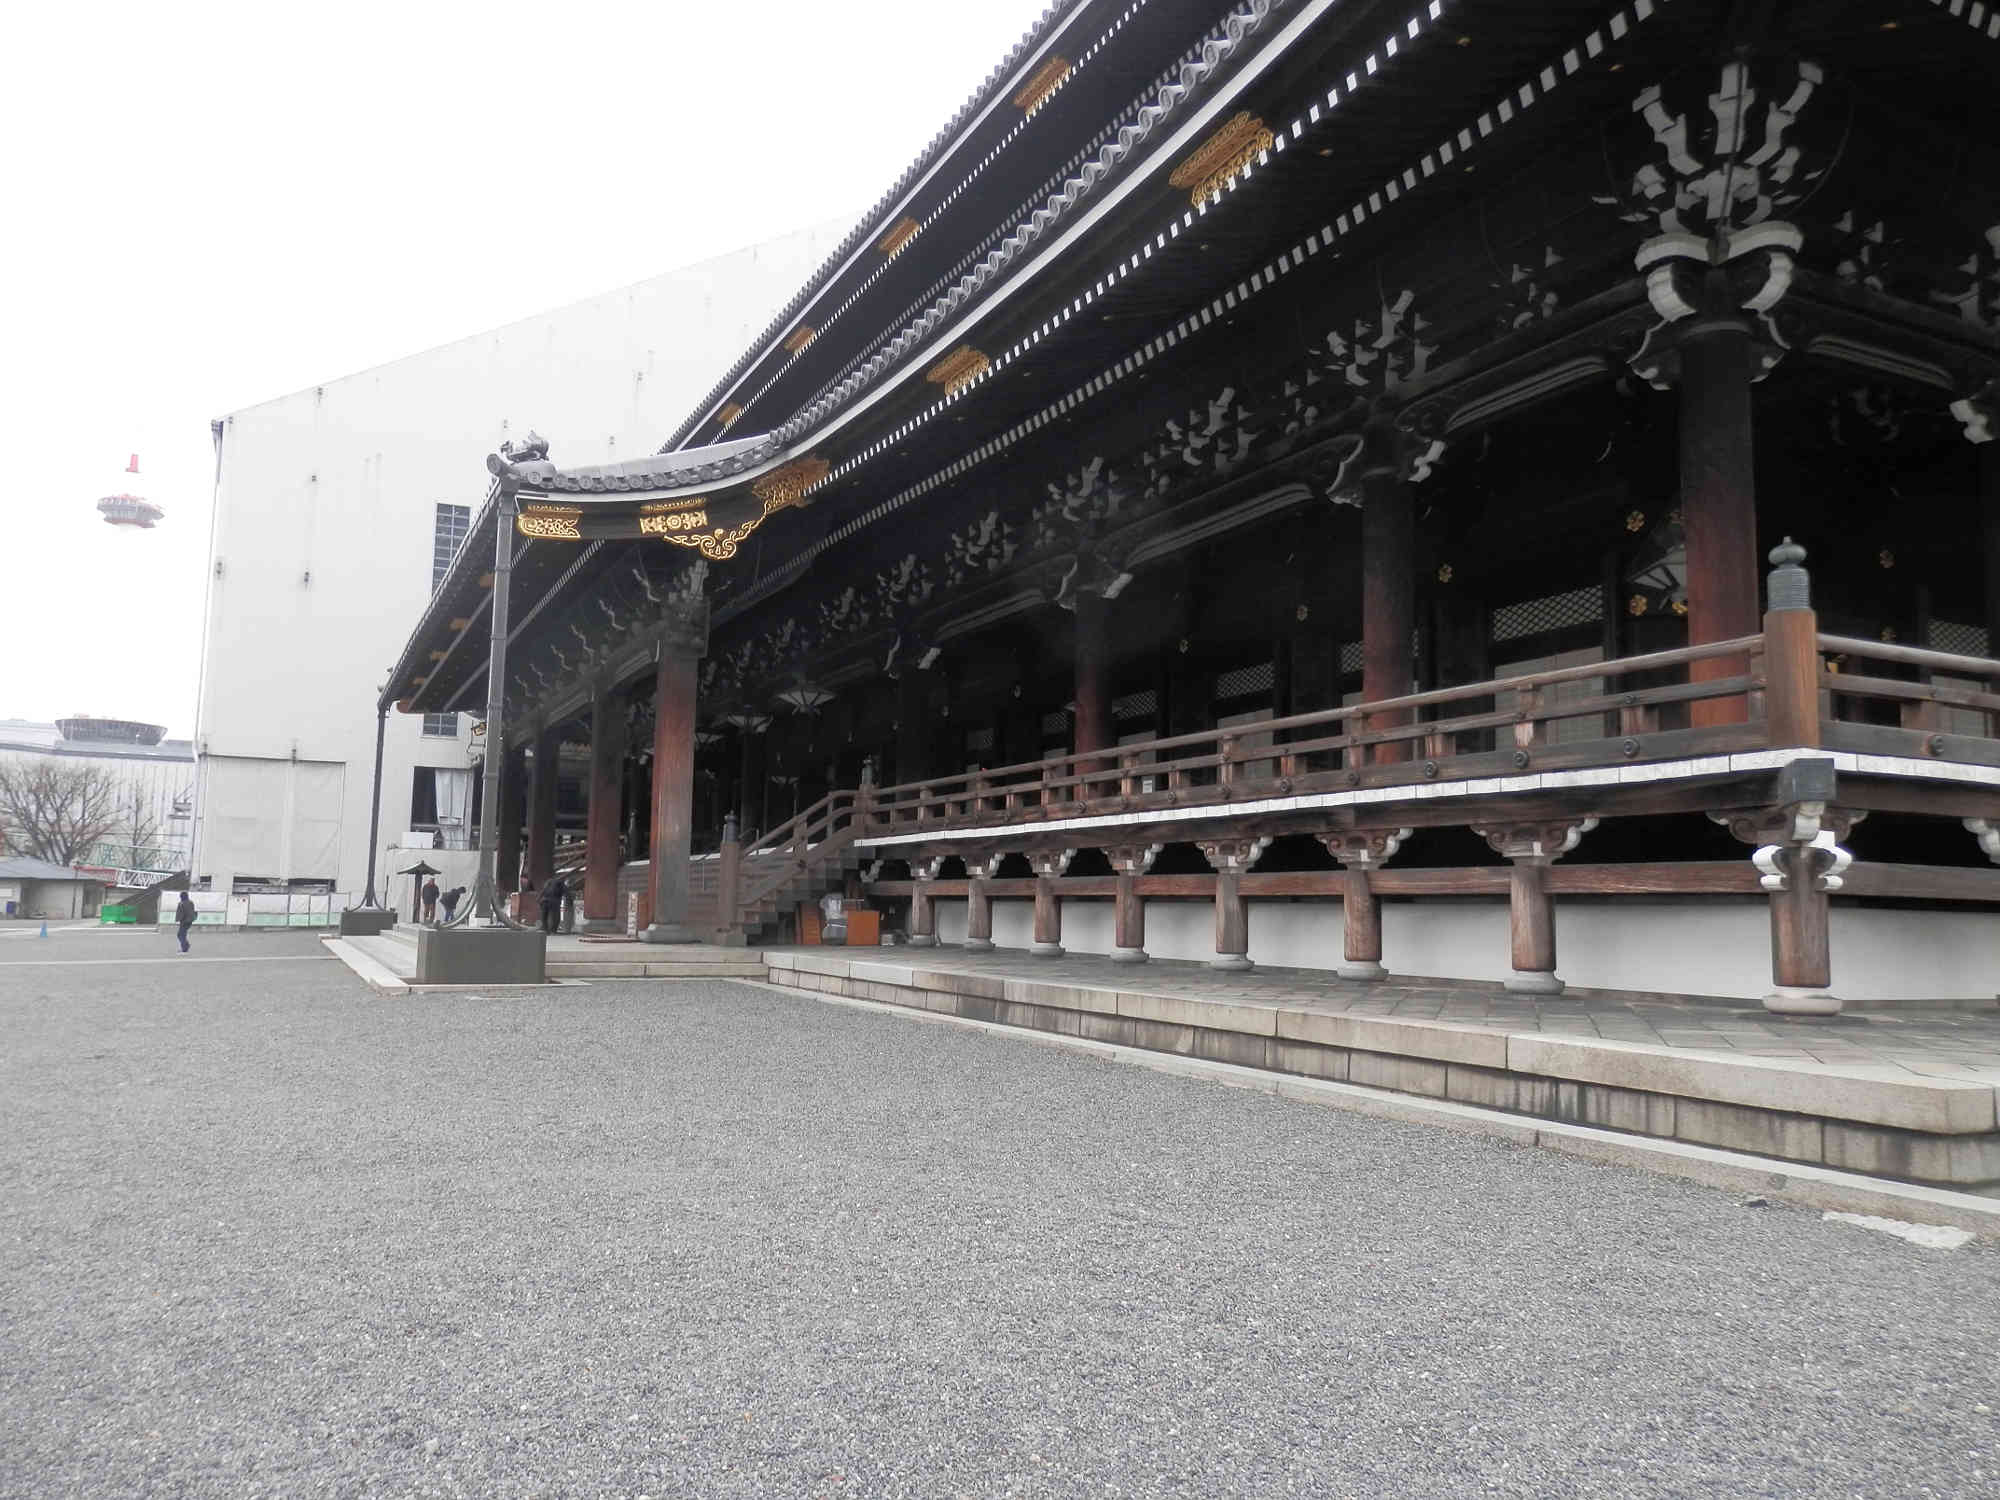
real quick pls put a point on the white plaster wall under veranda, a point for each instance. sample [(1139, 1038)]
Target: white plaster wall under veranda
[(320, 553), (1718, 947)]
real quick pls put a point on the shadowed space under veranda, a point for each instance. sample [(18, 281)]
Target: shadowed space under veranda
[(269, 1234)]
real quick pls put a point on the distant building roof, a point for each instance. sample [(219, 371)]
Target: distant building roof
[(105, 738), (20, 867)]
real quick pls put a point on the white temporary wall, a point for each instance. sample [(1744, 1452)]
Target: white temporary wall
[(325, 507)]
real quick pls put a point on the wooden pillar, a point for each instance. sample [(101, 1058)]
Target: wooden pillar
[(1048, 865), (978, 903), (1231, 859), (1388, 601), (673, 796), (1718, 501), (1093, 683), (1531, 849), (1359, 851), (1799, 860), (542, 806), (1128, 914), (923, 909), (607, 787), (913, 726), (1989, 513), (507, 866), (750, 770)]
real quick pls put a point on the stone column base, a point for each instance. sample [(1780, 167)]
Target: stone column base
[(600, 924), (979, 945), (1231, 961), (1366, 970), (1128, 955), (1046, 950), (1786, 1001), (669, 932), (923, 940), (1534, 982)]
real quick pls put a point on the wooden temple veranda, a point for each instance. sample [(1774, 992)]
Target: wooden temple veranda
[(1370, 484)]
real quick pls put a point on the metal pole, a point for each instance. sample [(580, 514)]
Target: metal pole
[(375, 805), (485, 895)]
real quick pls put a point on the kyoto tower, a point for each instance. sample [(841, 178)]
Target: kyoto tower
[(129, 512)]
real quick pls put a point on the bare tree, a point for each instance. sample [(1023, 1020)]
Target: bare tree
[(56, 810)]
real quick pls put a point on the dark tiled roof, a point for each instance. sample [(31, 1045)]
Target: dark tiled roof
[(1212, 55), (871, 224), (19, 867)]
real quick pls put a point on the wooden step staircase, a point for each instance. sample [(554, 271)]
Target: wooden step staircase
[(801, 860)]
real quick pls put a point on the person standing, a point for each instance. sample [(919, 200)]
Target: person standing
[(430, 895), (450, 900), (184, 918), (552, 903)]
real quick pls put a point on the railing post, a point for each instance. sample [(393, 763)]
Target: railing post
[(728, 876), (1791, 652), (1225, 755), (1530, 728)]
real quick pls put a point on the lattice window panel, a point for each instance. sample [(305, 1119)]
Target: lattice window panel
[(1055, 725), (1136, 706), (979, 739), (1246, 682), (1959, 640), (1556, 612), (453, 521), (441, 726), (1350, 657)]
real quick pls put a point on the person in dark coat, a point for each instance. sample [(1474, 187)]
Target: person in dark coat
[(552, 903), (430, 895), (184, 918), (450, 900)]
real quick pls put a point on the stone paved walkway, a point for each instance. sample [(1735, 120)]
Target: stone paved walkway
[(1928, 1043)]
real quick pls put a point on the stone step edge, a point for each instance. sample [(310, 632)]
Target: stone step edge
[(1833, 1091), (1823, 1188), (1782, 1135)]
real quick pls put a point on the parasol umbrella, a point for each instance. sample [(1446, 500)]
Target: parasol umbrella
[(417, 872)]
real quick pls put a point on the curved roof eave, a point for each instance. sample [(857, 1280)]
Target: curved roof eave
[(1026, 54)]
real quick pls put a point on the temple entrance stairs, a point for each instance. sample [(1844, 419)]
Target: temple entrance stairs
[(802, 860)]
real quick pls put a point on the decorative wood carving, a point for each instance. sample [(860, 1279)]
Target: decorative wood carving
[(1132, 859), (1233, 856), (1049, 863), (1538, 842), (1365, 847)]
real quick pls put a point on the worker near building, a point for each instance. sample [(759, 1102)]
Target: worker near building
[(430, 895), (553, 895), (184, 918)]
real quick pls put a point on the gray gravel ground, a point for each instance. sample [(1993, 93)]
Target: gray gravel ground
[(267, 1234)]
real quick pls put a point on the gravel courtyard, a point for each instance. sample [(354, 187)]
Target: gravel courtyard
[(265, 1233)]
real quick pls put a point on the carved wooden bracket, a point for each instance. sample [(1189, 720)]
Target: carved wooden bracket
[(1233, 856), (1794, 823), (1366, 847), (1132, 859), (1049, 863), (984, 866), (927, 869), (1822, 861), (1539, 843)]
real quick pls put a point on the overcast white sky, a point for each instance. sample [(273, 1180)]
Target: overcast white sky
[(213, 204)]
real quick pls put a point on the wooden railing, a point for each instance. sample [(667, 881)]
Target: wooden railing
[(1787, 686), (1505, 727)]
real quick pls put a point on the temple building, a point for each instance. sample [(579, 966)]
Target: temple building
[(1490, 491)]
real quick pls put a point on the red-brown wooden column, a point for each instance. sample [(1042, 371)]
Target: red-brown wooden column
[(507, 867), (542, 807), (673, 797), (607, 810), (1388, 599), (1093, 679), (1718, 500)]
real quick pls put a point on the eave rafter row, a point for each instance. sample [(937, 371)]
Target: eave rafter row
[(1613, 29)]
